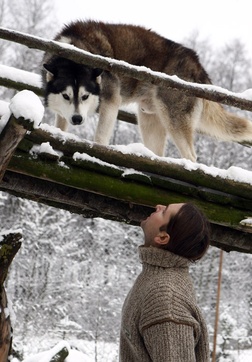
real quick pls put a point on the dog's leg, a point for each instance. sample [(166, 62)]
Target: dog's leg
[(61, 122), (181, 131), (152, 131), (108, 111), (183, 140), (181, 125)]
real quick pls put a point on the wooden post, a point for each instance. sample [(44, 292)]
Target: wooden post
[(9, 246), (217, 307), (10, 137)]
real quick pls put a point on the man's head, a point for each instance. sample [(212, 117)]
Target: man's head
[(180, 228)]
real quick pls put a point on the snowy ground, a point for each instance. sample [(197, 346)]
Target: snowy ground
[(85, 351), (43, 349)]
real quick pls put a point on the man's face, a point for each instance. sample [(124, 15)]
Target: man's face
[(162, 216)]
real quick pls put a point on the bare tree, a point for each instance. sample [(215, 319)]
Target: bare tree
[(31, 16)]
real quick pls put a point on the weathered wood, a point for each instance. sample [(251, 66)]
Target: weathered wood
[(140, 163), (80, 56), (231, 240), (9, 246), (10, 137), (19, 85), (131, 188), (225, 202), (77, 201), (60, 356), (94, 205)]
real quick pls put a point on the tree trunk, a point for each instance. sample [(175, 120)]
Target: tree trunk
[(9, 246)]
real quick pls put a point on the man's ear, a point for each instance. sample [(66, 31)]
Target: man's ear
[(162, 238)]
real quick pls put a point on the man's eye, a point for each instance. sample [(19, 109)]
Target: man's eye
[(83, 98), (66, 96)]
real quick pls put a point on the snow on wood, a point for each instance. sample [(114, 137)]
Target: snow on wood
[(247, 222), (211, 92), (27, 105), (19, 75)]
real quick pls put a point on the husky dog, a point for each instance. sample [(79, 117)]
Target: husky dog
[(74, 91)]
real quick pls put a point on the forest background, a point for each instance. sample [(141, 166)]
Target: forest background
[(72, 274)]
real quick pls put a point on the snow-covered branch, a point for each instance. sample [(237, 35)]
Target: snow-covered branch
[(210, 92)]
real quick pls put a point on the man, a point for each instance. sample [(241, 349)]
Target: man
[(161, 321)]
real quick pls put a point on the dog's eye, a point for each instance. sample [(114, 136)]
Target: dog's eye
[(66, 96), (83, 98)]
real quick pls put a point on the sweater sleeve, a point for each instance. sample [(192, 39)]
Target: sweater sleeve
[(169, 341)]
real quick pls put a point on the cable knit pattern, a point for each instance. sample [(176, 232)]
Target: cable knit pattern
[(160, 318)]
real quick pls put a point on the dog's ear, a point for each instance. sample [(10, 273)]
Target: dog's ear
[(49, 72), (97, 74)]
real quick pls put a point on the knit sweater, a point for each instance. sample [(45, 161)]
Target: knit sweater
[(161, 321)]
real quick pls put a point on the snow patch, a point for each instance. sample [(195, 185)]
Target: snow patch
[(27, 105), (247, 222), (6, 312), (4, 107), (137, 149), (86, 157), (18, 75), (73, 356), (59, 134), (4, 119), (48, 355), (132, 171), (233, 173), (45, 147)]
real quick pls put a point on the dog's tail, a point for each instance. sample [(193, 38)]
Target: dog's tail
[(219, 123)]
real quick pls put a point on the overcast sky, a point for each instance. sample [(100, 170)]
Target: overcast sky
[(218, 20)]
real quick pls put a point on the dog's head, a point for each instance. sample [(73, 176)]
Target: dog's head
[(71, 89)]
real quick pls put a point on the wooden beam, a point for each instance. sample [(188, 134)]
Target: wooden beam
[(93, 205), (210, 92)]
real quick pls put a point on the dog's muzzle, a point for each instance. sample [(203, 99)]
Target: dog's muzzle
[(77, 119)]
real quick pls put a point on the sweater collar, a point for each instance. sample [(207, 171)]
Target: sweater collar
[(163, 258)]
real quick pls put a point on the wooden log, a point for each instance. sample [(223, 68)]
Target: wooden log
[(128, 188), (10, 137), (9, 246), (155, 166), (210, 92)]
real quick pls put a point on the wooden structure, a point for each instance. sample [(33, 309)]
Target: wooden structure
[(103, 183), (106, 183)]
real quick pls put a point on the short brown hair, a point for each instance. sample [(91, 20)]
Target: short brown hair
[(189, 232)]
